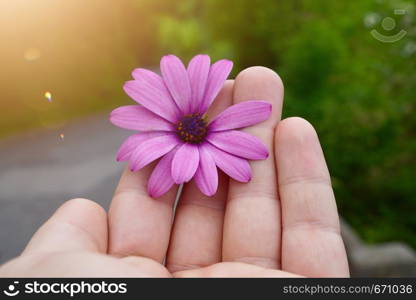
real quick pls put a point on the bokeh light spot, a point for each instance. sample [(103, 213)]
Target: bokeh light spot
[(48, 96), (32, 54)]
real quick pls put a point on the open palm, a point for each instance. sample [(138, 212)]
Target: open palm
[(284, 222)]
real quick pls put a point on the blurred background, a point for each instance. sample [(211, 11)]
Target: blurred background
[(348, 67)]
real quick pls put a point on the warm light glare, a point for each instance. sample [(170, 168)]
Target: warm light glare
[(75, 48), (62, 136), (48, 96), (32, 54)]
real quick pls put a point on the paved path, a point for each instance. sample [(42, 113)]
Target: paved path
[(39, 171)]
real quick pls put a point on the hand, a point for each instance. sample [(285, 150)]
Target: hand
[(283, 223)]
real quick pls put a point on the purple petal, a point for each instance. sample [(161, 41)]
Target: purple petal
[(149, 90), (136, 117), (239, 143), (134, 141), (235, 167), (177, 80), (206, 176), (148, 76), (218, 74), (198, 70), (161, 179), (241, 115), (151, 150), (185, 163)]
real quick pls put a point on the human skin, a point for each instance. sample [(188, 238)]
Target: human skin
[(283, 223)]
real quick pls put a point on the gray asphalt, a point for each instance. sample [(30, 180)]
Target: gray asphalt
[(39, 171)]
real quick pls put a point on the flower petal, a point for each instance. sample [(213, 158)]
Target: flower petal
[(134, 141), (161, 179), (137, 117), (217, 76), (240, 115), (235, 167), (151, 150), (177, 80), (185, 163), (149, 90), (239, 143), (206, 176), (148, 76), (198, 70)]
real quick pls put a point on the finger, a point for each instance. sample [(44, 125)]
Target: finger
[(197, 232), (311, 241), (138, 224), (252, 217), (78, 225), (81, 265), (233, 270)]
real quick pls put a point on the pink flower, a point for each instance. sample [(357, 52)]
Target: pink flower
[(173, 126)]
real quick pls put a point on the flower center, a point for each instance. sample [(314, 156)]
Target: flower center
[(192, 129)]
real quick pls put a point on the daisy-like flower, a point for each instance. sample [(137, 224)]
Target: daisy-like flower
[(172, 124)]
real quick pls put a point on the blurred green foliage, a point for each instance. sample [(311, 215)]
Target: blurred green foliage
[(358, 92)]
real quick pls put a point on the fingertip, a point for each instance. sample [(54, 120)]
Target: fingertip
[(261, 84), (295, 129), (85, 214), (83, 205), (260, 75), (296, 138), (77, 225)]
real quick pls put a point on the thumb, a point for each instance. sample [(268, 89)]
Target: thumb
[(78, 225)]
